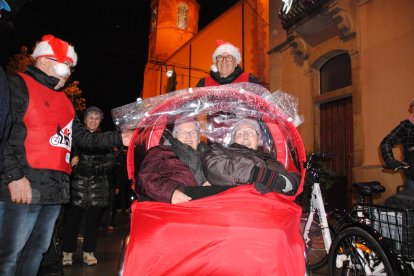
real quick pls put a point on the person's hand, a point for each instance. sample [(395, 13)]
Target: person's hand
[(21, 191), (179, 197), (126, 136), (74, 161), (206, 184), (393, 164)]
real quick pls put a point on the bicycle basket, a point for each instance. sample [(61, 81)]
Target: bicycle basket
[(396, 226)]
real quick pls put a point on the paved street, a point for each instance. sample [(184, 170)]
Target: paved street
[(107, 253)]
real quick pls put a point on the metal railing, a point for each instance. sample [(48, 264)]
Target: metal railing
[(300, 9)]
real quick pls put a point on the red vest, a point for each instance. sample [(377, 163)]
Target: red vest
[(48, 120), (209, 81)]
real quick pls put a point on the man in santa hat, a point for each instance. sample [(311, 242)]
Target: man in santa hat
[(226, 68), (35, 180)]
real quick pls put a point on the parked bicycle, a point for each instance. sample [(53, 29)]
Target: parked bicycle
[(316, 231), (373, 239)]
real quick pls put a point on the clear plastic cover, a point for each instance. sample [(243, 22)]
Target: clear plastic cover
[(217, 109), (201, 101)]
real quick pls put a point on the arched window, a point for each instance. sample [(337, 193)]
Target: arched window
[(336, 73), (182, 16)]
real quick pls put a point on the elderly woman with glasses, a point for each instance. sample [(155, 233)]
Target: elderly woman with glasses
[(226, 68), (167, 169), (243, 162)]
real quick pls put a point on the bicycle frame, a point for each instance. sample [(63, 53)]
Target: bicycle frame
[(318, 206), (365, 236), (354, 218), (316, 230)]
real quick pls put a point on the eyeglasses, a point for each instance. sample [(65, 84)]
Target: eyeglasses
[(249, 132), (183, 133), (228, 58), (71, 69)]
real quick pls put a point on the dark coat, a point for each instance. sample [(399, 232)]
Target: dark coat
[(161, 173), (5, 119), (90, 182), (234, 166), (48, 186), (229, 79), (402, 135)]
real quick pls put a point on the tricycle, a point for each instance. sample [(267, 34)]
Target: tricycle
[(240, 231)]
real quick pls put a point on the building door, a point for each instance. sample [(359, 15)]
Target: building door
[(336, 135)]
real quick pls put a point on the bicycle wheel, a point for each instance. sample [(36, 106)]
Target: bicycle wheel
[(315, 245), (355, 252)]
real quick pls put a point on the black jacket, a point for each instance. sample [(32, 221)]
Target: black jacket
[(229, 79), (402, 135), (237, 164), (90, 182), (5, 119), (48, 186)]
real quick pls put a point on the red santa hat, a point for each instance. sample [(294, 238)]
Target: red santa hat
[(58, 49), (225, 47)]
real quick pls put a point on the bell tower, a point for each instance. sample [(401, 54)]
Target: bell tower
[(173, 23)]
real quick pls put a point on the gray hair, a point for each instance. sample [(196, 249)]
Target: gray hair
[(93, 109), (181, 121), (252, 123)]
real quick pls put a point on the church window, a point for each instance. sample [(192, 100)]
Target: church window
[(182, 16)]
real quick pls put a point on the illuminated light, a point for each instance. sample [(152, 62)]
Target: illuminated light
[(241, 90), (190, 90), (146, 114), (363, 247), (287, 4), (290, 119), (170, 73)]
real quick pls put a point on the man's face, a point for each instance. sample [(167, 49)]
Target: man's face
[(92, 121), (247, 136), (48, 66), (224, 65), (187, 133)]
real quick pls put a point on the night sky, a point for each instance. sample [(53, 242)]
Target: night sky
[(110, 38)]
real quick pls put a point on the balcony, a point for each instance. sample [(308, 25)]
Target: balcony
[(300, 11)]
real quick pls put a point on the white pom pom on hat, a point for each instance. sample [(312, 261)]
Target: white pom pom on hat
[(61, 69), (225, 47), (56, 48)]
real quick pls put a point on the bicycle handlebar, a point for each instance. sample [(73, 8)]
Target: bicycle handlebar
[(404, 166), (322, 155), (318, 156)]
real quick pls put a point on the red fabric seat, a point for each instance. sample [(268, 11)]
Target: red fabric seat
[(237, 232)]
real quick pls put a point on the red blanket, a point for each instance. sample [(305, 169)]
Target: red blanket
[(237, 232)]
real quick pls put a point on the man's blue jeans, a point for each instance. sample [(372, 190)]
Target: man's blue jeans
[(25, 234)]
